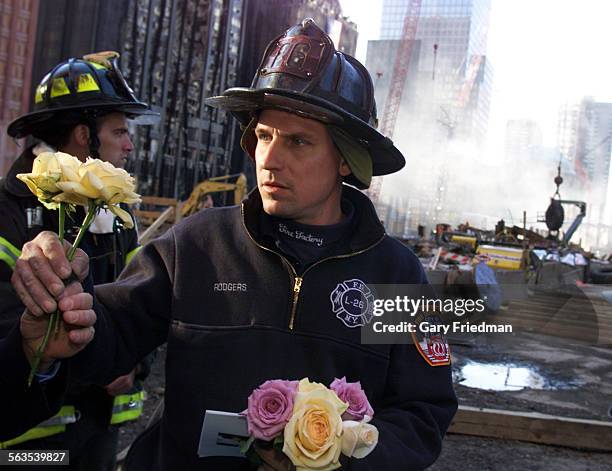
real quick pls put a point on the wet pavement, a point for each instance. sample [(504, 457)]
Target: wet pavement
[(505, 377)]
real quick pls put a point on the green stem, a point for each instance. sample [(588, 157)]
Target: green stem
[(54, 320), (62, 218), (91, 213)]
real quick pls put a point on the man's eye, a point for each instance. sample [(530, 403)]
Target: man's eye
[(263, 137), (298, 141)]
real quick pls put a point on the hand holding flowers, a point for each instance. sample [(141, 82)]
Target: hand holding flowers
[(61, 181)]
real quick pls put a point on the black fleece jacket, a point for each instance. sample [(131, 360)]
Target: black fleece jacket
[(227, 306)]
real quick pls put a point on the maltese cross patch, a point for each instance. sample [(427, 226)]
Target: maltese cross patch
[(352, 302)]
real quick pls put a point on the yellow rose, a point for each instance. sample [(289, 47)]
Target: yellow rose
[(306, 386), (313, 435), (48, 170), (61, 178), (104, 183), (358, 438)]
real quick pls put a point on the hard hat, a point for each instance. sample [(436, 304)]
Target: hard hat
[(302, 73), (91, 84)]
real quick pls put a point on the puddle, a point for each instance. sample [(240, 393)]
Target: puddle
[(504, 377)]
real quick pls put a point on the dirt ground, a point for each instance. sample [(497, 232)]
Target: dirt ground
[(577, 381)]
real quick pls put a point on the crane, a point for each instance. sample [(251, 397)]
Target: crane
[(398, 81)]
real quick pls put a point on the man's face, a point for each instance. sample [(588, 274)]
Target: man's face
[(298, 169), (115, 142)]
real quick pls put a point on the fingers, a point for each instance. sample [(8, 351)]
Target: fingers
[(34, 278), (80, 318), (80, 264), (40, 269), (273, 460), (55, 252), (76, 302), (121, 385), (30, 290), (81, 337)]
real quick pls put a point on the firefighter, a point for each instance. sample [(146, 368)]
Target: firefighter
[(81, 107), (269, 289)]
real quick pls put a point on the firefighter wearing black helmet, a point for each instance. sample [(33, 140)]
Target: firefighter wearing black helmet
[(275, 288), (81, 107)]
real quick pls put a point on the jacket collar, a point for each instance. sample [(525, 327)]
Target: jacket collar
[(367, 226), (23, 164)]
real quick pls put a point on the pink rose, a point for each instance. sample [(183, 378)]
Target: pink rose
[(270, 408), (351, 393)]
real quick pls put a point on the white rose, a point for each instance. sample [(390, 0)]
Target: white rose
[(358, 438)]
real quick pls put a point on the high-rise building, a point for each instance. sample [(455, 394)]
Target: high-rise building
[(443, 117), (523, 136), (567, 131), (585, 141), (454, 76)]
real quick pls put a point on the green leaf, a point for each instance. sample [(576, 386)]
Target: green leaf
[(279, 442), (246, 444)]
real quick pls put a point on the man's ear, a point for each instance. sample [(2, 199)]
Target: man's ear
[(80, 135), (344, 169)]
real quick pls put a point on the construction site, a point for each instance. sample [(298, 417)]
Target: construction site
[(538, 251)]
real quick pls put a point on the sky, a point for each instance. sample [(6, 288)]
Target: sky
[(543, 52)]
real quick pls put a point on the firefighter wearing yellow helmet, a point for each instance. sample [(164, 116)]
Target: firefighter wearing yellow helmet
[(81, 107)]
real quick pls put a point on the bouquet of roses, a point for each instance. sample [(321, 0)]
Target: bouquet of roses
[(311, 423)]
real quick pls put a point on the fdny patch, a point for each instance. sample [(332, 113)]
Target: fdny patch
[(352, 302), (432, 346)]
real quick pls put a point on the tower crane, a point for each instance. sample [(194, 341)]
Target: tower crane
[(398, 81)]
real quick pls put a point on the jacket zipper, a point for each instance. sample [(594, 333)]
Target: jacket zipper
[(298, 280), (297, 285)]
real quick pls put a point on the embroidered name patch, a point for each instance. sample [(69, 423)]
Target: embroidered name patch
[(229, 287), (353, 303), (299, 235)]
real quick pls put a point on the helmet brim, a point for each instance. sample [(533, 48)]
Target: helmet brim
[(25, 125), (243, 102)]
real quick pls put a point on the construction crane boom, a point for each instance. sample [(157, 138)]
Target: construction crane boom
[(398, 81)]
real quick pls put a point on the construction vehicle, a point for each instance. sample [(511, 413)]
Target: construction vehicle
[(174, 210), (213, 185), (555, 215)]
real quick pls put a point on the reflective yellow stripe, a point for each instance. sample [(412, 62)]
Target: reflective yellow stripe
[(8, 253), (59, 87), (40, 91), (87, 84), (52, 426), (127, 407), (131, 254)]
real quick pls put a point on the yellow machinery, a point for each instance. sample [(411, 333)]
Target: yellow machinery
[(156, 220), (213, 185), (467, 240), (505, 258)]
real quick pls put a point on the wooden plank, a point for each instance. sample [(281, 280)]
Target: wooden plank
[(159, 201), (141, 213), (147, 235), (533, 427)]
